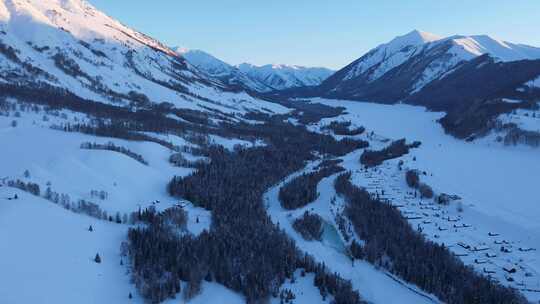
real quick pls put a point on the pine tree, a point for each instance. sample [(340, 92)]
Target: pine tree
[(90, 228), (97, 259)]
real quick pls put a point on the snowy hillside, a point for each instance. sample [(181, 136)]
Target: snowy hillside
[(281, 76), (478, 45), (58, 251), (71, 45)]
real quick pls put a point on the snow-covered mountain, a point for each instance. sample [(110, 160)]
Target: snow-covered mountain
[(261, 79), (280, 76), (416, 59), (69, 44), (389, 55)]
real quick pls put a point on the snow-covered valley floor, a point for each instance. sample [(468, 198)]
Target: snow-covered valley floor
[(497, 184)]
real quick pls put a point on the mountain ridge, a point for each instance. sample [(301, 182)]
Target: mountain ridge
[(386, 57), (264, 78), (282, 76)]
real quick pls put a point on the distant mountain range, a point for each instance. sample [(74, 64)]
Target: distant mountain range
[(453, 74), (280, 76), (264, 78)]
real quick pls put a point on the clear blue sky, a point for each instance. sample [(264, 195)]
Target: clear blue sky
[(318, 32)]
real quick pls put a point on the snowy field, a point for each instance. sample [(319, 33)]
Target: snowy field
[(528, 120), (51, 250), (48, 252)]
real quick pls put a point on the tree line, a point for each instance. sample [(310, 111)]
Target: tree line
[(398, 148), (110, 146), (80, 206), (344, 128), (29, 187)]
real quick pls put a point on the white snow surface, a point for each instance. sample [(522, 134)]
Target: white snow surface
[(528, 120), (48, 252), (498, 194), (231, 143), (477, 45)]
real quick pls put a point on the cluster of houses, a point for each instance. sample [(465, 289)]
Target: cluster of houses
[(494, 256)]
